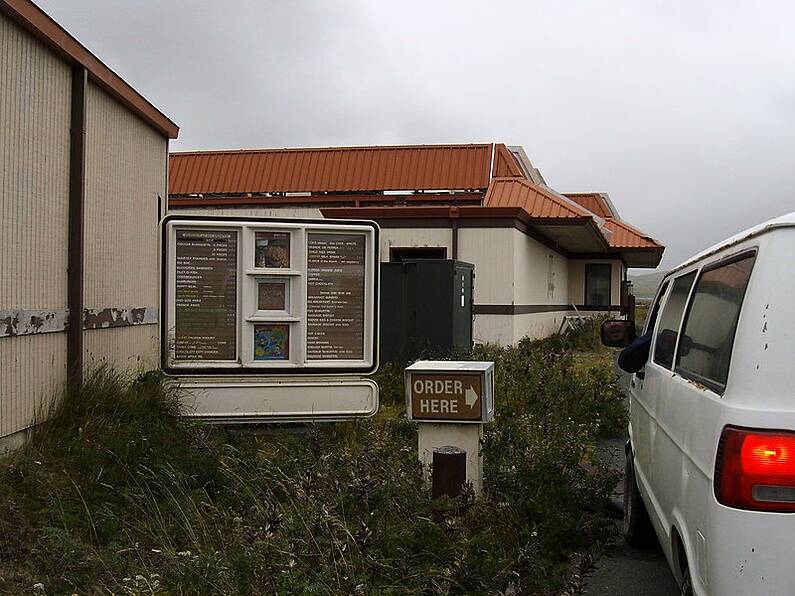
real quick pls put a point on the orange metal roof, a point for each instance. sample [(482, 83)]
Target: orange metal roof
[(334, 169), (625, 236), (505, 165), (37, 22), (536, 200), (594, 202)]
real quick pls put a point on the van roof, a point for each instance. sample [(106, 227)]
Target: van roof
[(783, 221)]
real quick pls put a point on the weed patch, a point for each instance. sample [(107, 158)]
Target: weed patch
[(117, 494)]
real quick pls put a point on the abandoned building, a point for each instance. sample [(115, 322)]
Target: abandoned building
[(538, 255)]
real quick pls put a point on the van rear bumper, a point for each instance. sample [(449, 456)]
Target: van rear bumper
[(748, 552)]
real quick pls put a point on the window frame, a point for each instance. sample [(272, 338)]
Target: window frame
[(717, 388), (672, 282), (662, 291), (609, 284), (648, 325), (431, 253)]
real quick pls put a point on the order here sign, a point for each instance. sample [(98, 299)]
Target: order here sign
[(443, 391)]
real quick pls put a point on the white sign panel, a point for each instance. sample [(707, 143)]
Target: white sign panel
[(254, 297)]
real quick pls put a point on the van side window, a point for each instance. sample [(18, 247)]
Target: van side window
[(708, 332), (668, 329), (655, 310)]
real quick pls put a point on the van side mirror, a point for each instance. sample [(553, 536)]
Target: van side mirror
[(618, 334)]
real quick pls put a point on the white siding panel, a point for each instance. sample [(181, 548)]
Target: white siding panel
[(415, 237), (125, 172), (493, 329), (540, 274), (537, 325), (33, 374), (131, 349), (35, 87), (491, 251)]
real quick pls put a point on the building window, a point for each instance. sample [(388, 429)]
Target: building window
[(597, 284), (413, 253)]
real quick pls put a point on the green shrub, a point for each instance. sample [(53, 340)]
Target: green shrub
[(117, 494)]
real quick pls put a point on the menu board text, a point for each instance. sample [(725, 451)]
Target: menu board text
[(206, 295), (335, 296)]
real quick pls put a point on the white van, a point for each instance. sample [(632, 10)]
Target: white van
[(711, 450)]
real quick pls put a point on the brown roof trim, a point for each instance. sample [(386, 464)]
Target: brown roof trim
[(466, 217), (38, 23), (322, 200)]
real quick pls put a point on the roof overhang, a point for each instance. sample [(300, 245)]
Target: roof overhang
[(643, 258), (566, 235)]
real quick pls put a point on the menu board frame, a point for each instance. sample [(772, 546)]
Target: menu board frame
[(296, 311)]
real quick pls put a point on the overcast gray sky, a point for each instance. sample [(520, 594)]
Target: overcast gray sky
[(684, 112)]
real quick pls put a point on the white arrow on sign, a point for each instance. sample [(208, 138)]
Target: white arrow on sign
[(470, 397)]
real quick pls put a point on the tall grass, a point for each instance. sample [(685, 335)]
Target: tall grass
[(117, 494)]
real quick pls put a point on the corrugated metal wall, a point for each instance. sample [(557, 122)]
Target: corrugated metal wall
[(34, 162), (125, 172)]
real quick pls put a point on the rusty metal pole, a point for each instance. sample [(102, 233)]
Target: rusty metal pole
[(449, 472)]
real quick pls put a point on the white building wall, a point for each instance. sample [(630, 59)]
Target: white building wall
[(35, 88), (541, 278), (125, 172), (491, 251), (415, 237)]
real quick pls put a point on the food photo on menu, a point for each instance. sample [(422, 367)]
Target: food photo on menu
[(271, 342), (272, 250)]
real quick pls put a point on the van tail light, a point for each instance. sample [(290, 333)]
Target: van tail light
[(755, 469)]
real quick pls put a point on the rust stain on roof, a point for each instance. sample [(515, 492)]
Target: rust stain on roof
[(536, 200), (346, 169)]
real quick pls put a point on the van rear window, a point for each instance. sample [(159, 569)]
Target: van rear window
[(668, 329), (708, 333)]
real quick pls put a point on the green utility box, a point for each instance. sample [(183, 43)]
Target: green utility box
[(426, 309)]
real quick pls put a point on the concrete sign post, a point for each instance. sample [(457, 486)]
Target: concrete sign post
[(451, 401), (270, 319)]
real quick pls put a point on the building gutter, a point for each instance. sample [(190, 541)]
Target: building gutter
[(76, 233)]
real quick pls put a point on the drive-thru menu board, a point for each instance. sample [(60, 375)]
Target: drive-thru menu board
[(205, 295), (335, 273), (269, 296)]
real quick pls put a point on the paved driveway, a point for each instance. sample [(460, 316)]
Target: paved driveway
[(623, 570)]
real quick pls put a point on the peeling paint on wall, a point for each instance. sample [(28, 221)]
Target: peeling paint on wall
[(28, 322), (118, 317), (15, 322)]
